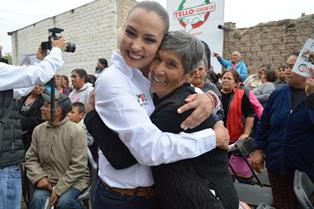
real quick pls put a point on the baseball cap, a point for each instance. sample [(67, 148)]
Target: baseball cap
[(61, 99)]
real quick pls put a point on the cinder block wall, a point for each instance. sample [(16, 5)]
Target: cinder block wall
[(93, 27)]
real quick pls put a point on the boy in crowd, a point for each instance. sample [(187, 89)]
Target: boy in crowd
[(76, 115)]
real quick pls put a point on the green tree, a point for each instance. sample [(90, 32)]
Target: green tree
[(8, 56)]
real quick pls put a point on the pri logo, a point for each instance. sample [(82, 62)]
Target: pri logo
[(192, 14), (141, 99)]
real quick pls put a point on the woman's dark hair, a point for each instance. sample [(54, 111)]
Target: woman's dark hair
[(270, 75), (281, 68), (234, 73), (266, 66), (81, 72), (207, 54), (213, 76), (91, 79), (65, 77), (155, 7), (66, 107), (103, 61)]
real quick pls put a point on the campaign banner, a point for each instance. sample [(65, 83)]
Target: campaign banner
[(305, 59), (200, 18)]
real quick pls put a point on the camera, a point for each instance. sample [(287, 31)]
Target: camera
[(55, 34)]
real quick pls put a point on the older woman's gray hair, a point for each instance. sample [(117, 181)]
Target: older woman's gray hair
[(236, 53), (189, 49)]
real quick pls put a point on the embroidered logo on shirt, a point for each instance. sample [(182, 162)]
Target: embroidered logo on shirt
[(141, 99)]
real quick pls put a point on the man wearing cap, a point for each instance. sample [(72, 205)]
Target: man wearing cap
[(56, 162), (101, 65), (11, 144)]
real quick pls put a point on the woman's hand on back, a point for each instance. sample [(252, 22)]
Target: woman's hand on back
[(222, 136), (203, 109)]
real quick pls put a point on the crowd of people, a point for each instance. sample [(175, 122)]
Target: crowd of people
[(157, 120)]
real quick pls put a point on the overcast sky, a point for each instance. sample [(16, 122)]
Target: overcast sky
[(15, 14)]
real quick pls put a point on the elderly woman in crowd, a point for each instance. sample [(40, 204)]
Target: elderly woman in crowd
[(237, 106), (263, 91), (56, 162), (202, 182), (200, 79), (235, 63), (284, 136)]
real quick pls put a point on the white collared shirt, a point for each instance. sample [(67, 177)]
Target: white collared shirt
[(124, 103), (16, 77)]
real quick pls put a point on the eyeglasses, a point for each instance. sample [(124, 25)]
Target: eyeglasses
[(290, 66)]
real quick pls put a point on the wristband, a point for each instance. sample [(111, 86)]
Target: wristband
[(213, 98)]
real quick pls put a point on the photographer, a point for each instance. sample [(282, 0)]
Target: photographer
[(14, 77), (11, 144)]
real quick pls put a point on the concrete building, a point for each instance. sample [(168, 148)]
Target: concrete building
[(93, 27)]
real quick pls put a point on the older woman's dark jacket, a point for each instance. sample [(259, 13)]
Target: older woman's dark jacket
[(195, 177), (286, 134), (188, 183)]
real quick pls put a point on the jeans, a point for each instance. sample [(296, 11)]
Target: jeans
[(66, 201), (107, 199), (10, 187)]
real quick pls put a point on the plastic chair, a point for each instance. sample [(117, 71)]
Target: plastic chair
[(89, 193), (303, 188), (263, 206), (253, 193), (246, 147), (27, 186)]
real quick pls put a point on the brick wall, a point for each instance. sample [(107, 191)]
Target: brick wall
[(92, 27)]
